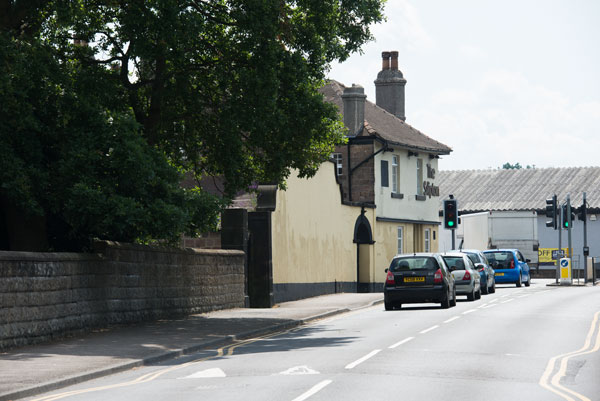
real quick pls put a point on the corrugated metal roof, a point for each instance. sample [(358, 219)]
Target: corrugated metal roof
[(522, 189), (380, 123)]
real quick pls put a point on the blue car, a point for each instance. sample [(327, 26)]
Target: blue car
[(510, 266)]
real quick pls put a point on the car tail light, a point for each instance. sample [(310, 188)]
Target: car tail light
[(512, 264), (467, 276), (389, 280), (437, 277)]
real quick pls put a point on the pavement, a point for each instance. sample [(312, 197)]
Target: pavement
[(37, 369)]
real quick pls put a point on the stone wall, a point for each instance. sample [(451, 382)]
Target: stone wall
[(49, 295)]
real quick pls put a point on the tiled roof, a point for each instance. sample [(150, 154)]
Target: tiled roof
[(522, 189), (380, 123)]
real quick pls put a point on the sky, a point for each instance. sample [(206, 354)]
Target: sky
[(514, 81)]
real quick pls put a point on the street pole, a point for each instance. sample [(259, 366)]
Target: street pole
[(569, 229), (585, 245), (558, 253), (453, 240)]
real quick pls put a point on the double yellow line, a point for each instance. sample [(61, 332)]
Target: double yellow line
[(591, 345), (223, 351)]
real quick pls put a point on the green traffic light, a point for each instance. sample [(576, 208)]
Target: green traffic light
[(450, 223)]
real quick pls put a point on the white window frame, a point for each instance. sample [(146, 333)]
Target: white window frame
[(427, 237), (339, 167), (395, 174), (419, 176), (400, 238)]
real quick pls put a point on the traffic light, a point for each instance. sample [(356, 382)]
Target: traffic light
[(582, 212), (450, 214), (551, 211), (565, 217)]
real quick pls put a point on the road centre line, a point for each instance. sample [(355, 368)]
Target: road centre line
[(490, 306), (469, 311), (315, 389), (482, 306), (507, 301), (523, 296), (452, 319), (361, 360), (401, 342), (494, 300), (429, 329)]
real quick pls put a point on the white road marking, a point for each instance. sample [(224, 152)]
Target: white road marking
[(299, 370), (361, 360), (482, 306), (469, 311), (507, 301), (313, 390), (206, 374), (494, 300), (523, 296), (401, 342), (587, 348), (490, 306), (541, 292), (452, 319), (429, 329)]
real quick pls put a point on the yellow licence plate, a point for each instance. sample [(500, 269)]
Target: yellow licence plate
[(499, 274), (414, 279)]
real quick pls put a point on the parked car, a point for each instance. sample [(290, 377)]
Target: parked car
[(418, 278), (510, 266), (486, 271), (466, 276)]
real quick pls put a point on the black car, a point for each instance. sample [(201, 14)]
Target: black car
[(418, 278)]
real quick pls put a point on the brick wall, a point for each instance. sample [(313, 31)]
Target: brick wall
[(363, 178), (210, 240), (49, 295)]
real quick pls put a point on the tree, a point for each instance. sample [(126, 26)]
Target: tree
[(110, 102)]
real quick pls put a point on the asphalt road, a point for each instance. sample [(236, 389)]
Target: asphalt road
[(529, 343)]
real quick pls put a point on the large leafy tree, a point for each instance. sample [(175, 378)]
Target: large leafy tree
[(106, 103)]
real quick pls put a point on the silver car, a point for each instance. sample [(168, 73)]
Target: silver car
[(466, 276), (486, 272)]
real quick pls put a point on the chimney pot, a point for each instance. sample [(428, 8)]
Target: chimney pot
[(394, 56), (385, 60)]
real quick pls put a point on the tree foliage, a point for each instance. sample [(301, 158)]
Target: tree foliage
[(107, 103)]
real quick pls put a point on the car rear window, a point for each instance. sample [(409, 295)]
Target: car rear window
[(414, 263), (455, 262), (500, 259), (474, 257)]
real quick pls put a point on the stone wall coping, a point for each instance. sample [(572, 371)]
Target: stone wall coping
[(102, 246), (46, 256)]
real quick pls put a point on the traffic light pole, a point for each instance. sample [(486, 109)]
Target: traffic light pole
[(559, 252), (585, 245), (569, 228)]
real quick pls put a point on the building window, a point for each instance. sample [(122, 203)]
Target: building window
[(337, 159), (395, 175), (427, 240), (419, 176), (385, 182), (400, 240)]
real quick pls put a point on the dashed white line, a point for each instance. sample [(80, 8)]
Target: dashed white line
[(401, 342), (508, 300), (482, 306), (494, 300), (452, 319), (429, 329), (469, 311), (313, 390), (361, 360), (491, 306), (523, 296)]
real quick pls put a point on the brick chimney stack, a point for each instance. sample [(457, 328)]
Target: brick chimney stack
[(389, 85), (354, 109)]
